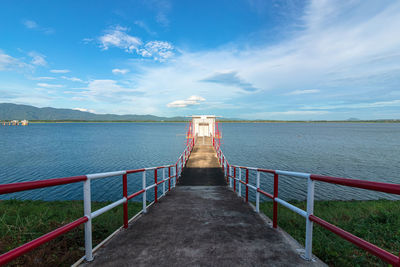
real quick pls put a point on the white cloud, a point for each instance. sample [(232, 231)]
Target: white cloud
[(37, 59), (302, 92), (193, 100), (118, 37), (8, 62), (30, 24), (43, 78), (84, 110), (296, 112), (60, 71), (349, 55), (379, 104), (120, 71), (106, 90), (72, 79), (33, 25), (159, 50), (47, 85)]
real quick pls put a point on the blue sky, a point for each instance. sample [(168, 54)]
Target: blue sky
[(249, 59)]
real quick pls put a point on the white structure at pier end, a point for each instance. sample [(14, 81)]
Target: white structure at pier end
[(203, 125)]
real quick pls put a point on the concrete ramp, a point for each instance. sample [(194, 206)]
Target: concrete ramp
[(201, 223)]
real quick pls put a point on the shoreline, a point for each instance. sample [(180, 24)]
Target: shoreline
[(222, 121)]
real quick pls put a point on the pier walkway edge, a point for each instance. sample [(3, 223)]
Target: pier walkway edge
[(203, 223)]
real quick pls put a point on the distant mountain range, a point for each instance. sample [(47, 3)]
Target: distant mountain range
[(10, 111)]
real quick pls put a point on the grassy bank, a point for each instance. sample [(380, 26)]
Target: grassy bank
[(377, 221), (23, 221)]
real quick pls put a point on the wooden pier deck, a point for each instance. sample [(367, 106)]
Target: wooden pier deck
[(201, 222)]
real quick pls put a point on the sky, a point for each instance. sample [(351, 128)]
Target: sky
[(249, 59)]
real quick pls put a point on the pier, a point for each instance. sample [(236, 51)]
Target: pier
[(202, 223), (197, 211)]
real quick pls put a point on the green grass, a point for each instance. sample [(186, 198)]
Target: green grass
[(23, 221), (377, 221)]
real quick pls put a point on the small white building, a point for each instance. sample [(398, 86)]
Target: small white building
[(203, 125)]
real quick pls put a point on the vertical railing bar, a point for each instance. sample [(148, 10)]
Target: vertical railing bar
[(247, 187), (309, 223), (239, 183), (125, 195), (176, 174), (155, 187), (163, 177), (234, 180), (228, 175), (275, 206), (169, 178), (88, 225), (230, 178), (258, 193), (144, 196)]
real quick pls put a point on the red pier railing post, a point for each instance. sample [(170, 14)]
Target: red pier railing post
[(275, 208), (169, 178), (125, 194), (247, 187), (227, 173), (155, 188), (176, 173)]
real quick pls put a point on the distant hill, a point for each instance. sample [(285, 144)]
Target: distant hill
[(10, 111)]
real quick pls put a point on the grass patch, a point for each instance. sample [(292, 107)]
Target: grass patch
[(377, 221), (24, 220)]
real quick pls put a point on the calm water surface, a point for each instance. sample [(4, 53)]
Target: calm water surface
[(354, 150)]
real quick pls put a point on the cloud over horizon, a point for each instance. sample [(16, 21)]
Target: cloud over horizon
[(308, 60), (191, 101)]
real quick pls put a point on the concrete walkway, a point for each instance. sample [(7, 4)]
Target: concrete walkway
[(201, 223)]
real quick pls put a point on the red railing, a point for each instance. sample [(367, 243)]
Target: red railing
[(309, 213), (89, 215)]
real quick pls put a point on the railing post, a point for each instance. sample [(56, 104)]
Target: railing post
[(275, 208), (125, 195), (144, 197), (185, 156), (230, 175), (155, 187), (258, 193), (88, 225), (239, 183), (228, 172), (223, 164), (225, 167), (176, 174), (234, 179), (163, 177), (309, 223), (247, 187), (169, 178)]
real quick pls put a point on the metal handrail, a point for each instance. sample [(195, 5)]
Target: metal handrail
[(88, 213), (309, 212)]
